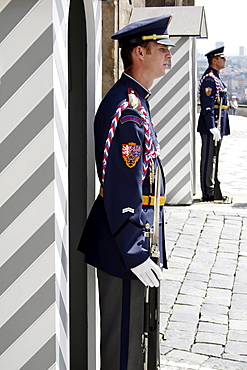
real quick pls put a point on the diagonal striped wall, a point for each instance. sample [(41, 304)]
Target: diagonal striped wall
[(172, 110), (33, 181)]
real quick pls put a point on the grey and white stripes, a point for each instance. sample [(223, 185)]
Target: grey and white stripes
[(172, 115), (33, 197)]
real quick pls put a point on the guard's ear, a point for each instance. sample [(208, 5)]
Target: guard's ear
[(138, 53)]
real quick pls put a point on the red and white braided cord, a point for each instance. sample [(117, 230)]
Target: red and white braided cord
[(110, 137), (217, 84), (150, 151)]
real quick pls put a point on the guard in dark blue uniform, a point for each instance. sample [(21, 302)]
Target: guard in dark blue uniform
[(127, 155), (211, 89)]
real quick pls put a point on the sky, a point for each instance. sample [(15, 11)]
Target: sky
[(226, 22)]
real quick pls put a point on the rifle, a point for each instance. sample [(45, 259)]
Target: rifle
[(217, 191), (150, 341)]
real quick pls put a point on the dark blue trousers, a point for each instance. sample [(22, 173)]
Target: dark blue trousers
[(206, 166), (122, 322)]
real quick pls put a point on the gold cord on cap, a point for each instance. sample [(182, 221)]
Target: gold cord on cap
[(215, 55), (154, 37)]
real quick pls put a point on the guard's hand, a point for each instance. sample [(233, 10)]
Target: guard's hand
[(216, 133), (149, 273)]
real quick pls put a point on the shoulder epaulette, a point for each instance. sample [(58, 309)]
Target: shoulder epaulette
[(216, 81), (134, 101)]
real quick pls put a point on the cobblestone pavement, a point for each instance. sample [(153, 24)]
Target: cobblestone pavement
[(204, 291)]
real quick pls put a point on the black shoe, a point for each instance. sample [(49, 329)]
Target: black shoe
[(208, 199), (223, 199)]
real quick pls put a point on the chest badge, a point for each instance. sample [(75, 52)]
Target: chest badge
[(131, 154)]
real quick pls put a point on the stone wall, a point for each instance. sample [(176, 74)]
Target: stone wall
[(115, 15), (170, 2), (242, 110)]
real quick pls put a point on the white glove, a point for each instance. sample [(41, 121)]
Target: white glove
[(216, 133), (149, 273)]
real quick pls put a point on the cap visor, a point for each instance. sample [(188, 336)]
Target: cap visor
[(167, 42)]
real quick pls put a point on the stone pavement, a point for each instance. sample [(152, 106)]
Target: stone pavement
[(204, 291)]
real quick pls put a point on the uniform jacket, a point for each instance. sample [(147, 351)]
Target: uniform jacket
[(112, 238), (211, 89)]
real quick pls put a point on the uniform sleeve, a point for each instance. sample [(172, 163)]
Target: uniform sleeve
[(207, 98), (123, 189)]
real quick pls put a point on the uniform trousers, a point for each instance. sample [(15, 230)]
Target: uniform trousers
[(122, 322), (206, 166)]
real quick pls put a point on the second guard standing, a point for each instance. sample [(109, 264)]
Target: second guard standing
[(213, 122)]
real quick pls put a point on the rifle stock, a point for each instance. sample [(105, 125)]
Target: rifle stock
[(146, 329), (217, 191), (150, 338)]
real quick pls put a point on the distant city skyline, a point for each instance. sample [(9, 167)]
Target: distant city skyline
[(241, 49), (226, 23)]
